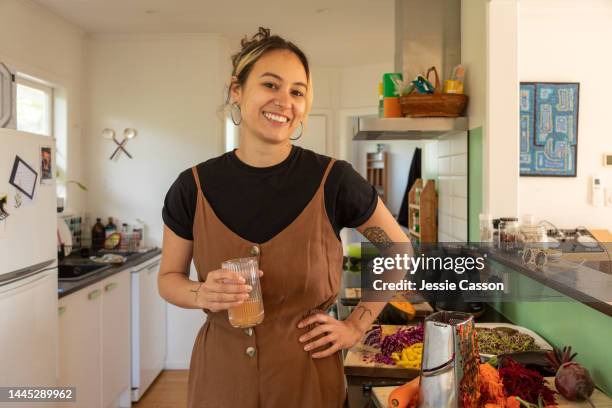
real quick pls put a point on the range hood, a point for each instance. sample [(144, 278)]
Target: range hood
[(427, 32), (375, 128)]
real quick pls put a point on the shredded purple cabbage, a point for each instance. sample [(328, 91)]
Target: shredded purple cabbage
[(404, 337)]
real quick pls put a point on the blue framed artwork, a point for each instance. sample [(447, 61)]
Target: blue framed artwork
[(549, 128)]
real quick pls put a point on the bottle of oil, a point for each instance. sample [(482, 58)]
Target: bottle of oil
[(97, 235)]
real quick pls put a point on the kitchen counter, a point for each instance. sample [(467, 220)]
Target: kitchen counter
[(68, 287), (586, 285), (363, 377), (380, 395)]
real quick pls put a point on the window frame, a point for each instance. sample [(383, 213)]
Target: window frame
[(48, 91)]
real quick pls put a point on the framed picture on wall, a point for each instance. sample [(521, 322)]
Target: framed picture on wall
[(46, 164), (549, 128), (23, 177)]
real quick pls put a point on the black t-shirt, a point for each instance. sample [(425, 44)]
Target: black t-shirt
[(258, 202)]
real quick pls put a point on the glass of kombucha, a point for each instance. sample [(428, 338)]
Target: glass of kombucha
[(251, 312)]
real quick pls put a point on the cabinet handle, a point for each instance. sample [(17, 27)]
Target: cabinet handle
[(93, 294), (150, 267), (111, 286), (61, 310)]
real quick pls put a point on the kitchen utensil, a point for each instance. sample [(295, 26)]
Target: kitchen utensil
[(449, 371), (128, 133), (251, 312), (108, 134)]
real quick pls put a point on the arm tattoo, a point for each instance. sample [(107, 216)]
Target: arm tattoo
[(364, 310), (378, 237)]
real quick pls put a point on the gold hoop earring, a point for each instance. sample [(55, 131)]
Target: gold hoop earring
[(232, 106), (301, 131)]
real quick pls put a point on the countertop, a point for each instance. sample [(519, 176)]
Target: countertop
[(586, 285), (380, 395), (67, 287)]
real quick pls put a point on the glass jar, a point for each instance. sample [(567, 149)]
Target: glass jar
[(486, 228), (533, 234), (508, 233)]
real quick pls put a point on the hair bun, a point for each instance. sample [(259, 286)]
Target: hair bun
[(262, 34)]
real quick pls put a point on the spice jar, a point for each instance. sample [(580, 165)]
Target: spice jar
[(508, 233), (486, 228), (496, 223)]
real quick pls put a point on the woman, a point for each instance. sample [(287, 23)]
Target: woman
[(285, 205)]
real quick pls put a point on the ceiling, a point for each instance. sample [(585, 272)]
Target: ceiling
[(334, 33)]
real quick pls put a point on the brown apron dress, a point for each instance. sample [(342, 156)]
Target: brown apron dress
[(266, 366)]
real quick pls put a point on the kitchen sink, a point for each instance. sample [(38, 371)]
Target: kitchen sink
[(72, 272)]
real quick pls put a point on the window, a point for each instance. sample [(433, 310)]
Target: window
[(34, 107), (41, 109)]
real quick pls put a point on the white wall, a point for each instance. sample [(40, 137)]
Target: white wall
[(569, 41), (168, 87), (38, 43), (474, 58), (502, 104)]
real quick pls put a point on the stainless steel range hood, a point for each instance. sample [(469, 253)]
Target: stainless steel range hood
[(374, 128), (427, 32)]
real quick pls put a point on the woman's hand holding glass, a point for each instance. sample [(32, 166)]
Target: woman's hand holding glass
[(221, 290)]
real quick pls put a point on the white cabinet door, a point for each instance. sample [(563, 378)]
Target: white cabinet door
[(152, 315), (115, 337), (79, 350), (28, 333)]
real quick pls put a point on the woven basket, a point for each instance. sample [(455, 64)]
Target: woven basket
[(436, 104)]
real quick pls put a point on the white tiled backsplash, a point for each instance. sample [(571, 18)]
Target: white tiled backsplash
[(452, 187)]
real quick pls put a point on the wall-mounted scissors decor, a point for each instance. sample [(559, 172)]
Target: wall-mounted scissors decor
[(128, 133)]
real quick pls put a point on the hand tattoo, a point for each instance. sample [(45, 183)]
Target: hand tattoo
[(196, 291), (378, 237)]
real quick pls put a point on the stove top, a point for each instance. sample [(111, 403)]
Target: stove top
[(568, 240)]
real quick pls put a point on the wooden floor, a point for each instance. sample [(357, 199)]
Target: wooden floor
[(169, 390)]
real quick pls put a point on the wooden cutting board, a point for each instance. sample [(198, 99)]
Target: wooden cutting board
[(380, 395), (358, 361)]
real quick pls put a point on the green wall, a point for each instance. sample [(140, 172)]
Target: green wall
[(566, 322), (475, 182)]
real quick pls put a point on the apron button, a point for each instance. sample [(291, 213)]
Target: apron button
[(251, 351), (255, 250), (249, 331)]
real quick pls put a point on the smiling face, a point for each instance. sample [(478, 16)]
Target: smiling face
[(273, 99)]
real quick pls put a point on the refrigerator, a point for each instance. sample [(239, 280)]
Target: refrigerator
[(28, 262)]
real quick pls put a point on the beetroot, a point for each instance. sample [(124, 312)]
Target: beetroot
[(574, 382)]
